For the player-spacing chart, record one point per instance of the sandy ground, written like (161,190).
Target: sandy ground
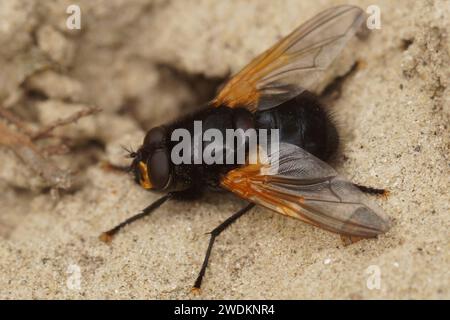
(144,62)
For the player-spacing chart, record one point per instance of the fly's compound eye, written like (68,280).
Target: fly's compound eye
(155,137)
(159,169)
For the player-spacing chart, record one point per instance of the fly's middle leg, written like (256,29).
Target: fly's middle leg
(218,230)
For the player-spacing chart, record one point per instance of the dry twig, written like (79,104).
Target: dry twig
(42,133)
(22,143)
(8,115)
(24,148)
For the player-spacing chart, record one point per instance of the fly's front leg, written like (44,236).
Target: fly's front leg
(107,236)
(108,166)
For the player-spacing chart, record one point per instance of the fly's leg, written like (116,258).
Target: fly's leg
(214,234)
(384,193)
(108,166)
(347,240)
(108,235)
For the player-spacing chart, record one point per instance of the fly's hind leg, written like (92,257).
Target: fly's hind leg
(348,240)
(384,193)
(214,234)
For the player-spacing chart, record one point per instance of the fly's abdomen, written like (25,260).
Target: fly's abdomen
(303,122)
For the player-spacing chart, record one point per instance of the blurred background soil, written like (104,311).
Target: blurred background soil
(145,62)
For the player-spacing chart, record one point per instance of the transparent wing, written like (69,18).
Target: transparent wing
(295,183)
(294,64)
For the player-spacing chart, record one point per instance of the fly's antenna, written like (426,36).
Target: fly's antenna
(108,235)
(130,152)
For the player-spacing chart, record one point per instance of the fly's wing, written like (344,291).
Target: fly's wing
(295,183)
(294,64)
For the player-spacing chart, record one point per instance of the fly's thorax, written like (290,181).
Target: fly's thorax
(194,149)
